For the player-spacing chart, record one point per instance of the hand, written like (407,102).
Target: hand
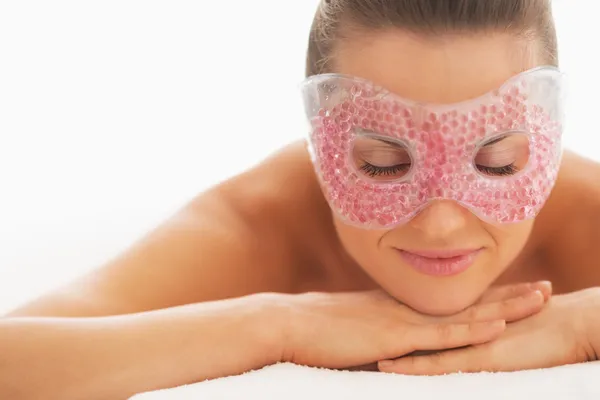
(562,333)
(343,330)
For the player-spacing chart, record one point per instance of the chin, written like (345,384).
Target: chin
(444,302)
(444,307)
(444,296)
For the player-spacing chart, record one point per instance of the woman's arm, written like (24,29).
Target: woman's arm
(230,241)
(118,356)
(127,328)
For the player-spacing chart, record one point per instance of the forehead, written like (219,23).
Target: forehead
(443,69)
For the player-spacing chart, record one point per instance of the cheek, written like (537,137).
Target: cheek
(360,244)
(510,240)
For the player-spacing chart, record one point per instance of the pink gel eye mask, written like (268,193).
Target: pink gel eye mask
(381,159)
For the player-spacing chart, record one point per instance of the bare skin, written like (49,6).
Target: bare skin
(270,230)
(295,221)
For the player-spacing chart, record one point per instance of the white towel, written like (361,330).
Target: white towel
(292,382)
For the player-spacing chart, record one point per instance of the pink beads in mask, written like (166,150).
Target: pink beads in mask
(381,158)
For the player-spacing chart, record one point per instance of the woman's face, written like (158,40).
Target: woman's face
(438,70)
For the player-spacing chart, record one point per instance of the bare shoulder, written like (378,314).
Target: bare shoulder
(578,191)
(276,189)
(572,222)
(240,237)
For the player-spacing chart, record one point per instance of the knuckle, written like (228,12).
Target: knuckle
(474,313)
(510,306)
(506,306)
(445,331)
(420,364)
(431,364)
(520,288)
(512,291)
(524,288)
(473,329)
(436,360)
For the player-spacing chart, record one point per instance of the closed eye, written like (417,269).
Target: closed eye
(504,155)
(381,158)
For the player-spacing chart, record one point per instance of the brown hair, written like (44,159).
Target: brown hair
(335,18)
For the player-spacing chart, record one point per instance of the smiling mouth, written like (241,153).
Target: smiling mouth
(444,262)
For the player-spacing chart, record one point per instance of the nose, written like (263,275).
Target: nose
(440,219)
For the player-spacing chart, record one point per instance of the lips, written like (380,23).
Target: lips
(440,262)
(449,253)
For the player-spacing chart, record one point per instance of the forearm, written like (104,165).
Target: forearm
(116,357)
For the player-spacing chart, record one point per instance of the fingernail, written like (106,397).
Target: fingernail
(386,363)
(534,294)
(547,284)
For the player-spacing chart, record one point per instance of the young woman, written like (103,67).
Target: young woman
(431,209)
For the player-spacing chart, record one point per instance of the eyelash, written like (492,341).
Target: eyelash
(505,170)
(373,170)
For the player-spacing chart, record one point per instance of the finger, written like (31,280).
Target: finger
(509,291)
(441,336)
(510,310)
(471,359)
(545,287)
(373,367)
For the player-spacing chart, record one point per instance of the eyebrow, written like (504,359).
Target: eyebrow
(389,142)
(392,143)
(372,135)
(498,139)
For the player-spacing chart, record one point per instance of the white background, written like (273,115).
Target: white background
(113,114)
